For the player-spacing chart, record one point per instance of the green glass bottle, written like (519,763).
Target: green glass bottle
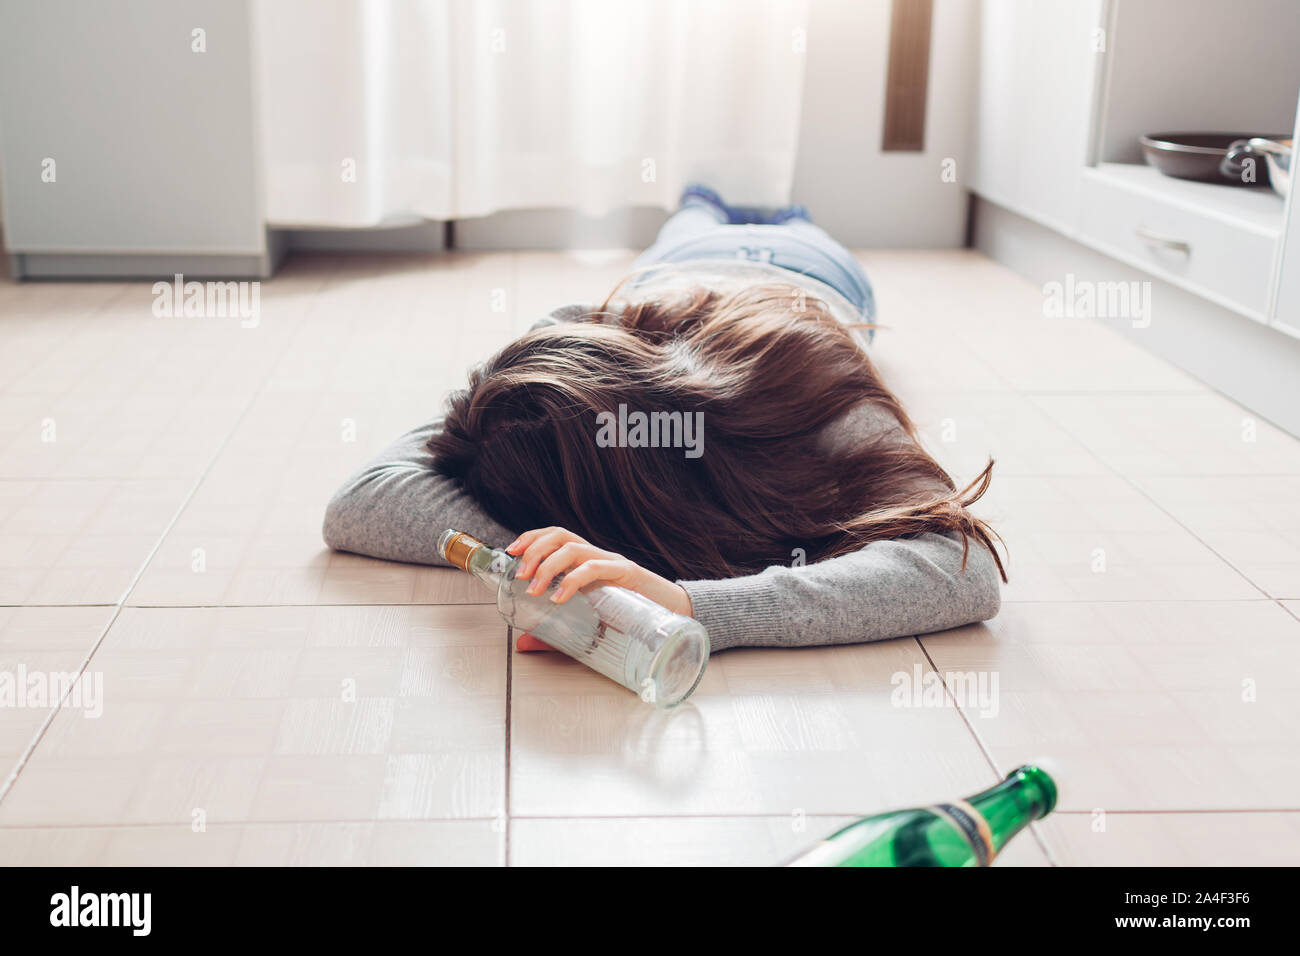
(968,832)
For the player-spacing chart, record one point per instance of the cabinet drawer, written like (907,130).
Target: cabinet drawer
(1215,241)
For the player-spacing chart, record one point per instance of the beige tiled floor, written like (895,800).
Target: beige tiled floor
(268,702)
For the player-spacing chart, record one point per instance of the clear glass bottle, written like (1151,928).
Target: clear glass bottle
(616,632)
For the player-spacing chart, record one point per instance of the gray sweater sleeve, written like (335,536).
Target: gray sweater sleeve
(888,589)
(396,506)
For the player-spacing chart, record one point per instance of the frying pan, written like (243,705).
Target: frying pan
(1198,155)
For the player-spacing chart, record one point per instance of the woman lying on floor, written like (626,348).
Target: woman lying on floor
(713,436)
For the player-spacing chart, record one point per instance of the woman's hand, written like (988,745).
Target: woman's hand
(547,552)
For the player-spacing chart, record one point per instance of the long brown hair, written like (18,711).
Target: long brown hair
(768,371)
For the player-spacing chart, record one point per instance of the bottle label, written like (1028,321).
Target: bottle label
(971,824)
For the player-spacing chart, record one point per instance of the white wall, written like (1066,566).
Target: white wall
(862,196)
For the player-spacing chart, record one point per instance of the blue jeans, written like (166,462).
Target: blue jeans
(696,232)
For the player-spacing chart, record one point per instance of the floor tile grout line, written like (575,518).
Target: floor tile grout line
(774,815)
(527,817)
(7,784)
(1257,599)
(289,338)
(1281,601)
(505,810)
(40,732)
(211,607)
(44,479)
(979,742)
(65,606)
(25,757)
(1159,507)
(947,692)
(1126,392)
(1029,395)
(1260,599)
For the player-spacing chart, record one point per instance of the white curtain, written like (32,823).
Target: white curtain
(380,111)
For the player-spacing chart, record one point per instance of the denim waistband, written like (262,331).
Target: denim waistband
(829,263)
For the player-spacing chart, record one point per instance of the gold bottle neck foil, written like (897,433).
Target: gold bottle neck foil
(459,548)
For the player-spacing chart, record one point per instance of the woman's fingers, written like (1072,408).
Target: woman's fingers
(519,547)
(544,542)
(563,558)
(545,553)
(524,540)
(527,643)
(589,572)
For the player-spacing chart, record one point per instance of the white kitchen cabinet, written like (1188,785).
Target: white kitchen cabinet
(1167,71)
(1066,89)
(1286,301)
(129,139)
(1217,242)
(1039,69)
(1058,130)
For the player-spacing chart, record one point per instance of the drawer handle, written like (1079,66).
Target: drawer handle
(1163,242)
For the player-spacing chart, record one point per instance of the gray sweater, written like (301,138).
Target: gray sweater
(396,506)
